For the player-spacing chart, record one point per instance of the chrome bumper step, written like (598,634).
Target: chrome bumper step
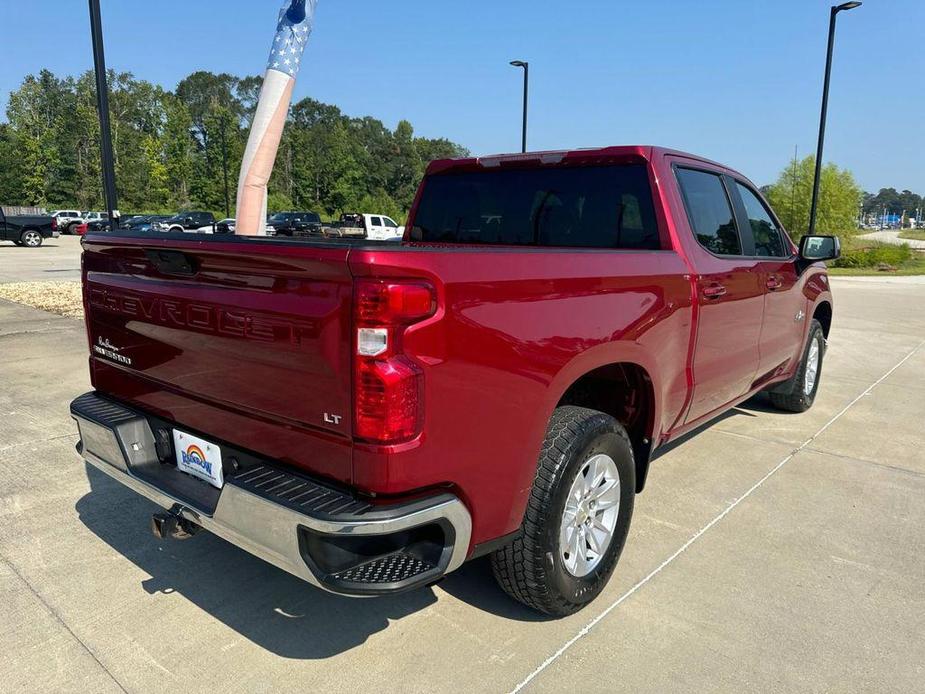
(327,536)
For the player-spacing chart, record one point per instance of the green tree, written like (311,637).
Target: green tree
(201,91)
(839,198)
(168,148)
(38,113)
(179,152)
(88,185)
(11,171)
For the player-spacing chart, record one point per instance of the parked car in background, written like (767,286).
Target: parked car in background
(350,225)
(294,224)
(130,221)
(375,227)
(229,226)
(188,221)
(142,222)
(152,222)
(98,222)
(28,230)
(67,220)
(370,416)
(225,226)
(382,228)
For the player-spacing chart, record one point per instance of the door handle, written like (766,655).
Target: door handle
(714,291)
(773,283)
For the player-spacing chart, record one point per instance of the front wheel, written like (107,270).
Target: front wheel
(31,239)
(799,394)
(577,517)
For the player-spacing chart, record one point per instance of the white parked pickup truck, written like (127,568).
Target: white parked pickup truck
(382,228)
(376,227)
(67,219)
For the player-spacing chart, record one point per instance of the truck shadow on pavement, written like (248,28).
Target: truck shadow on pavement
(264,604)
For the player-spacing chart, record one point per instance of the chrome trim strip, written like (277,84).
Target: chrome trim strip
(270,531)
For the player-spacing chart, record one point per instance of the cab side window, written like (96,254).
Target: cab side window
(710,211)
(769,242)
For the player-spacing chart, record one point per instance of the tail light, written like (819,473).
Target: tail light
(54,224)
(389,385)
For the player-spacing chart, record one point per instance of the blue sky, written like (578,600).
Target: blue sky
(737,81)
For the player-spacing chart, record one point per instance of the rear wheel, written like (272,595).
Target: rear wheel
(70,228)
(31,238)
(799,393)
(577,517)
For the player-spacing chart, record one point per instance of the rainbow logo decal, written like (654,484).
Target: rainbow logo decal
(194,457)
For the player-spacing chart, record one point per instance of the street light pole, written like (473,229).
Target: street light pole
(825,107)
(526,66)
(102,104)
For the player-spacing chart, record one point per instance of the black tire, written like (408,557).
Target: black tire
(532,569)
(69,229)
(793,395)
(31,238)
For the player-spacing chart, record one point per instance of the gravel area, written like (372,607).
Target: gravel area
(61,297)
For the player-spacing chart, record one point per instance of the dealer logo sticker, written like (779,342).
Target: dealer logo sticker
(194,457)
(105,348)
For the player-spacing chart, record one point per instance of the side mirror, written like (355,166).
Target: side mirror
(816,248)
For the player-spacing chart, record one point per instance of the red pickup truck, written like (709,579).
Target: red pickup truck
(368,416)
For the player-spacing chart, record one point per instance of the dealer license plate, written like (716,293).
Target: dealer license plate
(198,457)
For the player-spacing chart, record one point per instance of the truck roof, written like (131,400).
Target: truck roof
(552,157)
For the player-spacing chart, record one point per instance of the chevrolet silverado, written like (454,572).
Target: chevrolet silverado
(368,416)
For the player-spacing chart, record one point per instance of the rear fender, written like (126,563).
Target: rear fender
(607,355)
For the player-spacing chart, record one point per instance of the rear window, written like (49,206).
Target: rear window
(581,207)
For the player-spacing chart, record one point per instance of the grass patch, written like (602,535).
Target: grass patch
(916,266)
(913,234)
(61,297)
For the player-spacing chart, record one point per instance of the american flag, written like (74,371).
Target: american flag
(292,33)
(290,42)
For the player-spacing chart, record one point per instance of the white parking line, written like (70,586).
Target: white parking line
(683,548)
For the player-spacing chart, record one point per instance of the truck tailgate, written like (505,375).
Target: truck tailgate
(245,341)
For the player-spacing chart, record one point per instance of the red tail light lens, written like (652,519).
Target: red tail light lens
(389,385)
(54,224)
(388,400)
(393,303)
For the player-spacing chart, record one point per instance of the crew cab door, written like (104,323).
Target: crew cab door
(375,229)
(776,265)
(730,298)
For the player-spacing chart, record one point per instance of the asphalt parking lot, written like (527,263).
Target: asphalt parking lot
(770,552)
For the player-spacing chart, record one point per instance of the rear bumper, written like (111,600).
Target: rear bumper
(328,537)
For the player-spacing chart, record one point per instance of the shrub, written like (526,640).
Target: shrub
(874,256)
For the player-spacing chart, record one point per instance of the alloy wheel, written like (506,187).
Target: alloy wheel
(812,367)
(590,515)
